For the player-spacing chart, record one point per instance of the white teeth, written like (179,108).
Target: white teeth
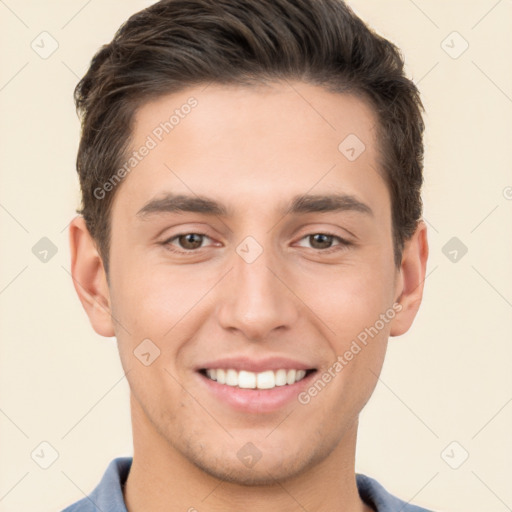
(231,378)
(300,375)
(249,380)
(246,380)
(221,376)
(266,380)
(280,377)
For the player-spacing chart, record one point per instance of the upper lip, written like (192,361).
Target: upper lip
(256,365)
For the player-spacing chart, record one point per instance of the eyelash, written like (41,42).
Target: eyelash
(344,244)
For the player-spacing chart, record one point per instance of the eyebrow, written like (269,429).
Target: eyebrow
(301,204)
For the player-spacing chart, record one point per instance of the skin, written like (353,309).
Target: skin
(252,149)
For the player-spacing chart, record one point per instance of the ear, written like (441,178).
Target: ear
(410,280)
(89,278)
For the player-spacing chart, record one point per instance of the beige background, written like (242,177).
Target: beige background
(449,379)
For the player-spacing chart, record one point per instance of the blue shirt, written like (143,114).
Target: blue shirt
(108,495)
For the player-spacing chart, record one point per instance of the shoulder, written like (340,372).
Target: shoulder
(108,494)
(374,494)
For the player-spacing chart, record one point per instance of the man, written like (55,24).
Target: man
(251,234)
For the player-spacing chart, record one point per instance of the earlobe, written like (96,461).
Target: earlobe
(89,278)
(411,280)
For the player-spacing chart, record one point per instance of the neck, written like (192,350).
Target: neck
(162,479)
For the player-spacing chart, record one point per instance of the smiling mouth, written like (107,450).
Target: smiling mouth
(267,379)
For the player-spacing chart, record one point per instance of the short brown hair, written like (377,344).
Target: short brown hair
(175,44)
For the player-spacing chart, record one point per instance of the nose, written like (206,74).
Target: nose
(257,299)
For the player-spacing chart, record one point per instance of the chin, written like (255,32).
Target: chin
(277,465)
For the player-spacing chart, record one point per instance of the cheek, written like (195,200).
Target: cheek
(356,310)
(150,300)
(351,300)
(158,310)
(358,347)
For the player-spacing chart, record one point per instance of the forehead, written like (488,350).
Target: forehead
(255,144)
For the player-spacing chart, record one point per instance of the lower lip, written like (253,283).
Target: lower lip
(256,400)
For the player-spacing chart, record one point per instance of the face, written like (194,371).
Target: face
(277,256)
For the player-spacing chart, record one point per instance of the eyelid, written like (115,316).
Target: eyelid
(326,229)
(168,241)
(343,242)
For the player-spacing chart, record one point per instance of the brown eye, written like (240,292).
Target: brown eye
(321,241)
(185,242)
(190,241)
